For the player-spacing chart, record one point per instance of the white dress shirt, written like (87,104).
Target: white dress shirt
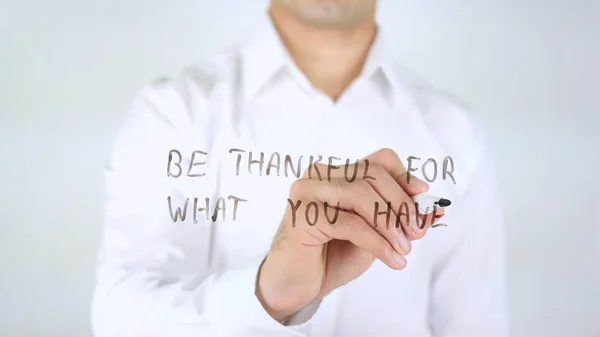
(159,277)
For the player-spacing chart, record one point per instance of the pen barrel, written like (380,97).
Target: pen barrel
(425,202)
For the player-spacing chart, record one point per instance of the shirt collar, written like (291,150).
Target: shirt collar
(263,55)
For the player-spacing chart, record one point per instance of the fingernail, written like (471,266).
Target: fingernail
(404,243)
(399,259)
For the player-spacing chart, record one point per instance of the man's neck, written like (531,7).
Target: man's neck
(330,59)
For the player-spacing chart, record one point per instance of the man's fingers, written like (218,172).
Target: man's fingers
(401,208)
(390,161)
(384,171)
(351,227)
(418,226)
(396,203)
(358,197)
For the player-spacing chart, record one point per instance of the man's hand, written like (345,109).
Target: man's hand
(309,260)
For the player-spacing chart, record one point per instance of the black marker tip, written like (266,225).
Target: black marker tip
(443,202)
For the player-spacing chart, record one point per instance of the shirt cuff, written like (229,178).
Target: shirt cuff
(234,307)
(303,316)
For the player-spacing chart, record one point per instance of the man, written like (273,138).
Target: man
(232,240)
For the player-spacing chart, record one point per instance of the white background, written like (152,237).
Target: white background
(68,70)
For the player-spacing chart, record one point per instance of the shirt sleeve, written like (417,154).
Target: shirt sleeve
(153,278)
(468,294)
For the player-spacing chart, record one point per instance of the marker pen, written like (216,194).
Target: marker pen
(427,202)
